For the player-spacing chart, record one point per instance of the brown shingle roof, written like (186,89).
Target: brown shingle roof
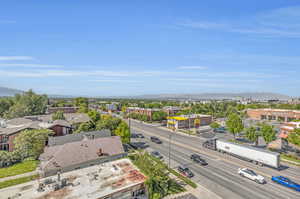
(79,152)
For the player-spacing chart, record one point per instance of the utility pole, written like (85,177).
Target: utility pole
(170,137)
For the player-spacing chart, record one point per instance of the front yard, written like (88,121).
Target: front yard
(19,168)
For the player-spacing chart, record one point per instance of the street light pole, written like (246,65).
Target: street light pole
(169,150)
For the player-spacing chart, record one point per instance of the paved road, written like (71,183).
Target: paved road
(220,175)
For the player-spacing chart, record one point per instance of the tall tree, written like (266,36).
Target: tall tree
(234,124)
(294,137)
(252,134)
(27,103)
(123,131)
(215,125)
(82,103)
(31,143)
(58,115)
(268,133)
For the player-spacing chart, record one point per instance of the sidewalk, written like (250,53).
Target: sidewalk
(19,176)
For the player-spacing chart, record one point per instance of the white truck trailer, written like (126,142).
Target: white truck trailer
(256,155)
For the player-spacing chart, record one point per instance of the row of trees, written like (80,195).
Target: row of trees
(235,125)
(101,122)
(157,116)
(27,103)
(28,145)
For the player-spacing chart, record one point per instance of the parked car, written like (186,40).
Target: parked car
(134,135)
(155,140)
(140,135)
(185,171)
(156,154)
(139,145)
(220,130)
(286,182)
(196,158)
(251,175)
(127,147)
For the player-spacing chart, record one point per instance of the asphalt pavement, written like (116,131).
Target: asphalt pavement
(220,176)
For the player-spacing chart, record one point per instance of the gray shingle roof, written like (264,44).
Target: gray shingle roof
(75,137)
(75,153)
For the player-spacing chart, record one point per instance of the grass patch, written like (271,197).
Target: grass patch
(183,178)
(189,132)
(235,141)
(19,168)
(290,158)
(17,181)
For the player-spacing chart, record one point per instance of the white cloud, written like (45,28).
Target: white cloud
(31,65)
(192,67)
(15,58)
(282,22)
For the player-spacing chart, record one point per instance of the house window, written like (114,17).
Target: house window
(4,147)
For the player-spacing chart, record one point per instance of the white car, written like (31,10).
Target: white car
(251,175)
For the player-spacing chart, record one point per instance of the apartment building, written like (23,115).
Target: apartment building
(274,114)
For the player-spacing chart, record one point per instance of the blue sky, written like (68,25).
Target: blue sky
(132,47)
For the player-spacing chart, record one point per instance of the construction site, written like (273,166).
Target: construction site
(117,179)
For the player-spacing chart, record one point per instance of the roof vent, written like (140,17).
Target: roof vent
(3,123)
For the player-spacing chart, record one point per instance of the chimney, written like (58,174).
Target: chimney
(99,152)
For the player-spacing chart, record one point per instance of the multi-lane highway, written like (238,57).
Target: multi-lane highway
(220,176)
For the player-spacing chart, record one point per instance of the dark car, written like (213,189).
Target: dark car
(156,140)
(156,154)
(220,130)
(185,171)
(134,135)
(196,158)
(139,145)
(286,182)
(127,147)
(140,135)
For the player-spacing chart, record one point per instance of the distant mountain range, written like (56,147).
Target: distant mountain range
(201,96)
(217,96)
(8,91)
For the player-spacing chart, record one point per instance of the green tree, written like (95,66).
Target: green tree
(252,134)
(294,137)
(159,116)
(58,115)
(123,131)
(5,104)
(31,143)
(215,125)
(82,103)
(234,124)
(27,103)
(85,127)
(94,115)
(268,133)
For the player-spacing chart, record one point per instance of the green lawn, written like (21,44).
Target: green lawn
(19,168)
(290,158)
(17,181)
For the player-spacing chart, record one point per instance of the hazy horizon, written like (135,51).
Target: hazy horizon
(122,48)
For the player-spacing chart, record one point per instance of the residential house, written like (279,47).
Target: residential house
(75,137)
(11,128)
(80,154)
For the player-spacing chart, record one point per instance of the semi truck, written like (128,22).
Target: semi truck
(255,155)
